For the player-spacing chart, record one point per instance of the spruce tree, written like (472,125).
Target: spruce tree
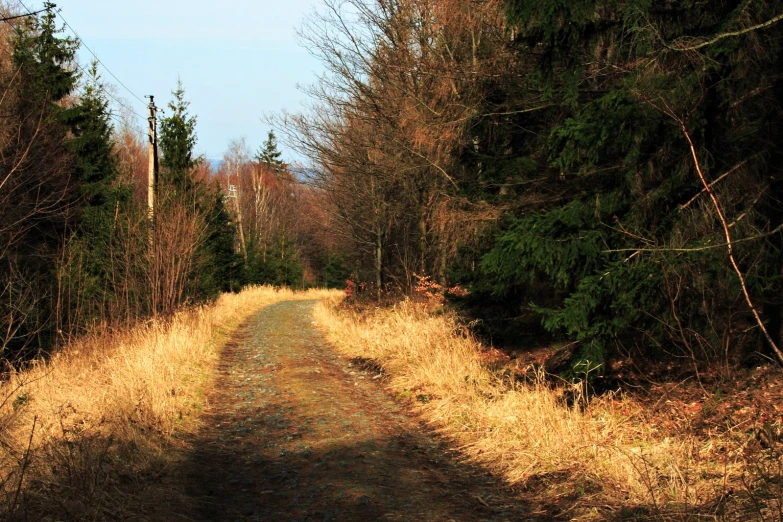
(177,141)
(222,269)
(92,144)
(45,59)
(269,155)
(100,199)
(218,267)
(38,179)
(609,241)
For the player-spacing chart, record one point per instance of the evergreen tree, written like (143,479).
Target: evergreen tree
(218,268)
(269,155)
(38,189)
(45,60)
(278,264)
(333,271)
(92,144)
(606,240)
(177,141)
(222,269)
(101,200)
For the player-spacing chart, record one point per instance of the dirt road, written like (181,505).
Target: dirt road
(295,432)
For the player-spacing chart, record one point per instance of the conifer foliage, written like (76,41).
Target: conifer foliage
(77,249)
(539,153)
(269,156)
(268,203)
(37,190)
(631,248)
(101,200)
(192,213)
(177,141)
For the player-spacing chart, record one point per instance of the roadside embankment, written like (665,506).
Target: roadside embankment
(611,458)
(91,433)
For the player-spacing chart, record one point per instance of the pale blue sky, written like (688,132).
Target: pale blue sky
(238,59)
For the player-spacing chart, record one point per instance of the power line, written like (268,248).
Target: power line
(88,74)
(25,15)
(81,41)
(81,92)
(116,100)
(79,38)
(123,123)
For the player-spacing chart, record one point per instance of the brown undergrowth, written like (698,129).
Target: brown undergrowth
(617,458)
(94,432)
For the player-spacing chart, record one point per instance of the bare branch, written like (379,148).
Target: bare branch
(679,45)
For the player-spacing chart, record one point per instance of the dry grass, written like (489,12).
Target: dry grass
(92,433)
(608,458)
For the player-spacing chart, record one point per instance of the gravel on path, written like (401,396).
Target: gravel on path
(296,432)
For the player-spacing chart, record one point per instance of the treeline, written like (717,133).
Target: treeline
(279,220)
(78,249)
(76,235)
(607,173)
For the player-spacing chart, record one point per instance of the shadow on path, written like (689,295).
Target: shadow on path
(296,433)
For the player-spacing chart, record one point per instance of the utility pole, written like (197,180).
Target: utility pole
(152,184)
(152,173)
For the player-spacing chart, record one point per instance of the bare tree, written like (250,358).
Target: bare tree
(389,121)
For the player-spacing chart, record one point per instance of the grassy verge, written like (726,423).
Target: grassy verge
(94,432)
(610,460)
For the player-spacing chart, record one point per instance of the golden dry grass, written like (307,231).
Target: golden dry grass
(89,433)
(606,455)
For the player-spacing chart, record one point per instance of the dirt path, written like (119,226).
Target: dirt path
(296,432)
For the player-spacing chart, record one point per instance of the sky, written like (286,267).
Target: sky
(237,59)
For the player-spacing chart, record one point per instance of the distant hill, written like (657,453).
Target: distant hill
(214,163)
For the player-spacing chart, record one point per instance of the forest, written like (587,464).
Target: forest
(553,228)
(80,250)
(602,173)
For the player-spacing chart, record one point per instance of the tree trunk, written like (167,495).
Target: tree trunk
(423,243)
(379,263)
(238,206)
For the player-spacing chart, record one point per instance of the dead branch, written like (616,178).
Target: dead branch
(729,243)
(682,47)
(722,176)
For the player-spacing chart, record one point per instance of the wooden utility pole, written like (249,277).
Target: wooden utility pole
(152,185)
(152,173)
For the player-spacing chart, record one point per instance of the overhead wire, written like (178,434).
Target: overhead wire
(81,41)
(24,15)
(109,94)
(116,100)
(116,117)
(79,38)
(79,89)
